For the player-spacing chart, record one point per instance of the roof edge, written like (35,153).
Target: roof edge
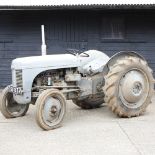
(83,6)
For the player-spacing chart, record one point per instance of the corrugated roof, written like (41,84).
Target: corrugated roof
(43,4)
(73,2)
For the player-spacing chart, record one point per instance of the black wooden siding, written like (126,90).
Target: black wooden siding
(20,34)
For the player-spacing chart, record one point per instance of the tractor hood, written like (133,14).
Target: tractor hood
(53,61)
(89,59)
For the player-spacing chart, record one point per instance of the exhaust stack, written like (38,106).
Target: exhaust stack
(43,46)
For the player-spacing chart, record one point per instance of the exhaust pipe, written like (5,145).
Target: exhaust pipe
(43,46)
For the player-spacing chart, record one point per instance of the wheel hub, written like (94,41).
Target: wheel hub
(137,88)
(133,86)
(52,109)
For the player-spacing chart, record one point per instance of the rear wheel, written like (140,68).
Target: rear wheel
(51,108)
(93,101)
(9,107)
(129,87)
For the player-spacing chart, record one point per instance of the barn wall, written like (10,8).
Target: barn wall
(20,34)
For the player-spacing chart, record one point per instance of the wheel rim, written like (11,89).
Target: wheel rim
(133,88)
(13,107)
(52,111)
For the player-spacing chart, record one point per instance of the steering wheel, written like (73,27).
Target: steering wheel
(72,51)
(75,51)
(85,54)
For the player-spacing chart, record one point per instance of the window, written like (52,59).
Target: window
(112,28)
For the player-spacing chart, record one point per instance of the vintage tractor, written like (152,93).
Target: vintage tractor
(124,82)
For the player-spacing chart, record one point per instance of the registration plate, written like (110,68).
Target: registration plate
(15,90)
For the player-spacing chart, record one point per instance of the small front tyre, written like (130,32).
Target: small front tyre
(9,107)
(51,108)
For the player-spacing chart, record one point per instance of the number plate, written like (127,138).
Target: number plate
(15,90)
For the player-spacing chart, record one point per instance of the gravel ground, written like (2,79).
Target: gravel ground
(91,132)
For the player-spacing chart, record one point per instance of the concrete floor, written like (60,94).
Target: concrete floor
(84,132)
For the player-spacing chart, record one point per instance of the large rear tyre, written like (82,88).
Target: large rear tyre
(9,107)
(91,102)
(51,108)
(128,87)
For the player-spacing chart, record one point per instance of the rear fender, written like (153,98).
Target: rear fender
(117,56)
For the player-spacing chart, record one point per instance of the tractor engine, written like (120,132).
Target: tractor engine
(61,78)
(49,78)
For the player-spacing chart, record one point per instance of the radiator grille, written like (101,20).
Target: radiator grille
(19,81)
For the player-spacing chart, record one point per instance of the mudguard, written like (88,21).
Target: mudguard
(117,56)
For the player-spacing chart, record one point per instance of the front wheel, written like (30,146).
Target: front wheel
(51,108)
(9,107)
(129,87)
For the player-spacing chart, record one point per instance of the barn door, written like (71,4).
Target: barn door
(67,31)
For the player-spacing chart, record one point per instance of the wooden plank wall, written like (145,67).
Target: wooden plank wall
(79,29)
